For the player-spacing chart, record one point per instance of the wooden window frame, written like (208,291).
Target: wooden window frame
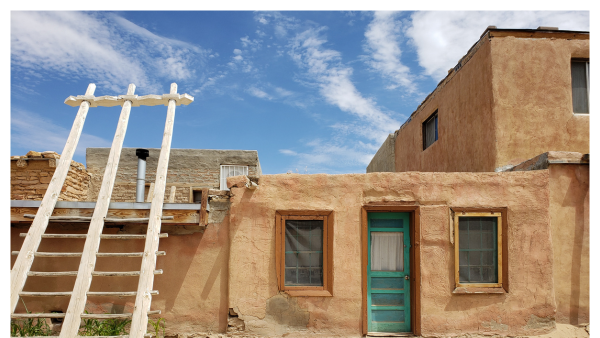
(305,291)
(424,129)
(502,229)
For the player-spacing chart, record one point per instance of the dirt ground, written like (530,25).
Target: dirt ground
(562,331)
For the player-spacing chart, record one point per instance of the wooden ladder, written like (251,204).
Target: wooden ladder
(22,267)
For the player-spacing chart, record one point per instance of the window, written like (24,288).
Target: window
(231,170)
(304,252)
(580,84)
(480,248)
(430,130)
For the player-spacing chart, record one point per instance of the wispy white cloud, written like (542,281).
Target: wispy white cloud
(259,93)
(442,38)
(35,132)
(383,46)
(334,81)
(331,157)
(108,49)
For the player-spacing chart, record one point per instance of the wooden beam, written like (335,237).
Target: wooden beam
(170,216)
(139,321)
(18,274)
(203,205)
(80,218)
(172,194)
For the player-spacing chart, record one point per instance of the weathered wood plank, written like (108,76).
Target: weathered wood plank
(169,216)
(203,205)
(139,321)
(81,218)
(172,194)
(18,274)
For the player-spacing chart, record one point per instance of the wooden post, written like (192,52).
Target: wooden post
(139,321)
(18,274)
(76,307)
(172,194)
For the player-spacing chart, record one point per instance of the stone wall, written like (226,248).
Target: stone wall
(31,174)
(188,168)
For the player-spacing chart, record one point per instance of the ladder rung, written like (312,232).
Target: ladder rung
(24,234)
(99,254)
(45,294)
(86,218)
(121,274)
(37,315)
(114,315)
(51,274)
(94,273)
(84,315)
(126,254)
(117,294)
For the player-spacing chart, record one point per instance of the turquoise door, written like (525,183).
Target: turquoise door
(388,272)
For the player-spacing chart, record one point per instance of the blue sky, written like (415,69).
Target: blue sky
(312,92)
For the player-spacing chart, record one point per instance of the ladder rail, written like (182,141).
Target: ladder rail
(18,274)
(139,321)
(87,264)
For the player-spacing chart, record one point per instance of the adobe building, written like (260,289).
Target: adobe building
(435,254)
(517,101)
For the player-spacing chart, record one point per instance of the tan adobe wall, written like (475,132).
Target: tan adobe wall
(30,176)
(533,108)
(569,216)
(527,309)
(384,160)
(465,123)
(196,168)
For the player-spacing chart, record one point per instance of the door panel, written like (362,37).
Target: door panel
(388,288)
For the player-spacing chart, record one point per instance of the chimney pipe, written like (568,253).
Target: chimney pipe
(142,154)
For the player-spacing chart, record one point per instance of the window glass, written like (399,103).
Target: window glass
(478,249)
(304,253)
(430,131)
(579,82)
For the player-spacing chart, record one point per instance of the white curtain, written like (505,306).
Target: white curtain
(387,251)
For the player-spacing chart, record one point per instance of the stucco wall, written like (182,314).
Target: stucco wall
(528,308)
(384,160)
(465,123)
(569,214)
(187,168)
(192,289)
(533,108)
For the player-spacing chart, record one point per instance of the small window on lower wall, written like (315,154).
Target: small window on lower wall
(304,252)
(479,249)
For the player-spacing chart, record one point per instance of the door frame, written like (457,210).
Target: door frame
(415,259)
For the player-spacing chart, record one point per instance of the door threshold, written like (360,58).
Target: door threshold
(390,334)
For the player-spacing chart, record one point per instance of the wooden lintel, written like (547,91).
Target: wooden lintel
(170,216)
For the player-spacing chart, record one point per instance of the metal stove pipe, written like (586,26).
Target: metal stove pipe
(142,154)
